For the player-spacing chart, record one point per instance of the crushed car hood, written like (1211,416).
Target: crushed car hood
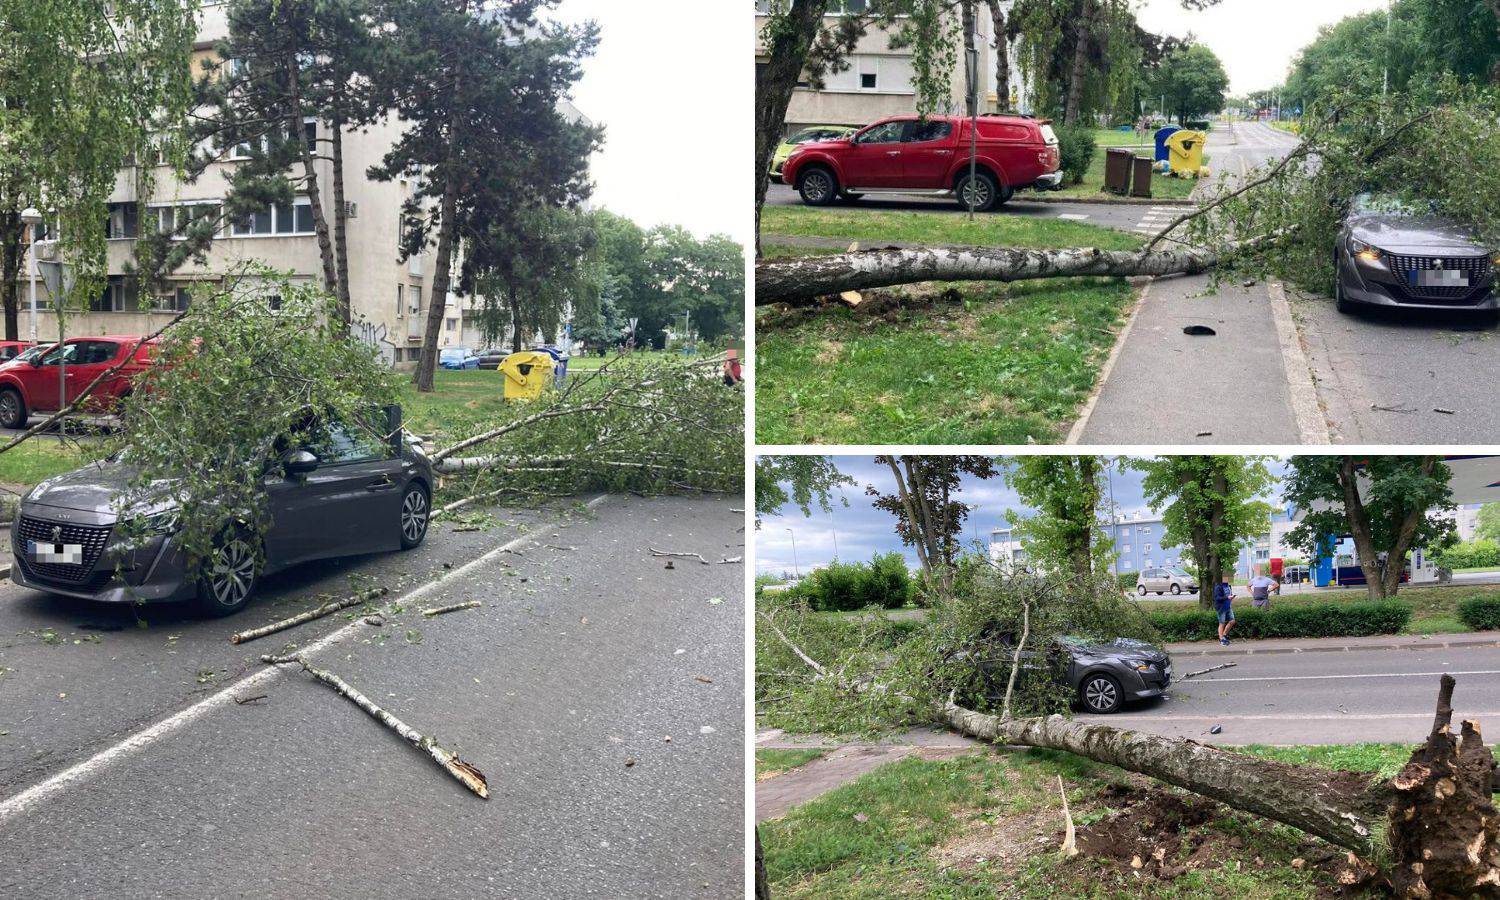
(1116,647)
(97,488)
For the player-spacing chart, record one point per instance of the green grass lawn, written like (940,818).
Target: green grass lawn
(1007,364)
(40,458)
(769,762)
(1434,608)
(456,392)
(871,227)
(986,825)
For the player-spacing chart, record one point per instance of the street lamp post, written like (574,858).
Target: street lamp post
(31,217)
(796,568)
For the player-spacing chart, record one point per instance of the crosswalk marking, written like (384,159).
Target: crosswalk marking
(1075,216)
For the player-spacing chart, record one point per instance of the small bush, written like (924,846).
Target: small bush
(1075,146)
(884,581)
(1310,620)
(1128,580)
(1480,613)
(1470,555)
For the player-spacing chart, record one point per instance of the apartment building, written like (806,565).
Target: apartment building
(879,80)
(389,298)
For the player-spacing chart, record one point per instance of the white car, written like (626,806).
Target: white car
(1163,579)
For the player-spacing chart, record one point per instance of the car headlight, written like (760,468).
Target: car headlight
(165,522)
(1366,252)
(1140,665)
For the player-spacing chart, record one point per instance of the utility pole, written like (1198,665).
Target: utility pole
(31,218)
(795,567)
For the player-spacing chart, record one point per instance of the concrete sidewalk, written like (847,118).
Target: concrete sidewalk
(1336,644)
(1165,387)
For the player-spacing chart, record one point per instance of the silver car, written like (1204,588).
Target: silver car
(335,491)
(1164,579)
(1392,255)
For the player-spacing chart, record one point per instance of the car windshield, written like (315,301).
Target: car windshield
(1390,205)
(31,353)
(1180,572)
(454,353)
(808,135)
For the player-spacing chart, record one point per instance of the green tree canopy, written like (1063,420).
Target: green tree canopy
(1066,533)
(1193,81)
(1388,504)
(1209,504)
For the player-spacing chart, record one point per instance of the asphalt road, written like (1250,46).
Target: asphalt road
(1320,697)
(126,769)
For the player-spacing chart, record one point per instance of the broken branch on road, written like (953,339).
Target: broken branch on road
(293,621)
(466,774)
(455,607)
(1209,669)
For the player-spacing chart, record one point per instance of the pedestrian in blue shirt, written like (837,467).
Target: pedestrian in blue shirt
(1224,606)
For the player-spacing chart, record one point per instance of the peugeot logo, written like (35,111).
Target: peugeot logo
(57,534)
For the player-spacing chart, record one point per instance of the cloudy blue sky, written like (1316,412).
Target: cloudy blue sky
(860,530)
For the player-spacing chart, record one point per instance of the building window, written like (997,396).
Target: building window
(452,323)
(1124,548)
(115,297)
(278,219)
(1127,565)
(867,80)
(173,299)
(175,219)
(1146,548)
(400,300)
(414,299)
(123,221)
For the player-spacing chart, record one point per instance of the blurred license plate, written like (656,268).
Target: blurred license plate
(1169,670)
(57,553)
(1438,278)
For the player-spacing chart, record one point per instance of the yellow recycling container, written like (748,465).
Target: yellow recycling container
(527,374)
(1185,153)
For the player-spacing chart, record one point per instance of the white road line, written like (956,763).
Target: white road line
(1361,675)
(1076,216)
(142,739)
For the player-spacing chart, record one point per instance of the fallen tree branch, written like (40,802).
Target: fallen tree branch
(697,556)
(251,634)
(455,607)
(1209,669)
(469,776)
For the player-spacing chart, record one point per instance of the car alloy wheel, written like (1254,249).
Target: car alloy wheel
(1176,588)
(10,409)
(414,516)
(231,575)
(817,186)
(1142,589)
(1100,694)
(976,192)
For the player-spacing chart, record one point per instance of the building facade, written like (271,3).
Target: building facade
(879,80)
(390,298)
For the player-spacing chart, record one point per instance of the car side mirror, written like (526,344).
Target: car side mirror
(298,462)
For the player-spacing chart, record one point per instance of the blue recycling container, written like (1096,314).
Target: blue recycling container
(560,370)
(1162,134)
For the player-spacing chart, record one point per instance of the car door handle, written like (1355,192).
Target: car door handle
(382,483)
(893,153)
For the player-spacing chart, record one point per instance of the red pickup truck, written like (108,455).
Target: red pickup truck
(908,154)
(30,383)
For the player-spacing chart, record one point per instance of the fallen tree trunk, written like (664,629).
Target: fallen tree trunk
(1433,828)
(801,280)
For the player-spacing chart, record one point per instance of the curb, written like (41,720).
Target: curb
(1306,410)
(1075,434)
(1109,201)
(1343,648)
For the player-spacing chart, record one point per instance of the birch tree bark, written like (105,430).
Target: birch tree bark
(802,280)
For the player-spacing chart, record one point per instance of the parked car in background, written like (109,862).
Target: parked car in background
(806,136)
(1295,574)
(1162,579)
(458,358)
(1393,254)
(492,357)
(30,383)
(907,154)
(1101,676)
(334,491)
(9,350)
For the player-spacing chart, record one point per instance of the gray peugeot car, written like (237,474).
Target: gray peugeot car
(1102,676)
(334,490)
(1393,255)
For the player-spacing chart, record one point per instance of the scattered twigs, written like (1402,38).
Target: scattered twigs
(471,777)
(1209,669)
(454,607)
(243,700)
(697,556)
(293,621)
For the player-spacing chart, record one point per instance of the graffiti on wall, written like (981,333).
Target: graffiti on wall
(375,336)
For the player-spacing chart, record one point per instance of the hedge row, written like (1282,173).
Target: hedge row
(839,586)
(1287,621)
(1480,613)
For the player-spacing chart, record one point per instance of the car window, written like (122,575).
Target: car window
(930,130)
(68,353)
(884,133)
(334,442)
(96,352)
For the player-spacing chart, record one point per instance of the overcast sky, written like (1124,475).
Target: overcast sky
(860,530)
(672,82)
(1256,39)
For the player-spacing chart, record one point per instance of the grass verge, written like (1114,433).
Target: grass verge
(771,762)
(1006,364)
(883,226)
(989,824)
(40,458)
